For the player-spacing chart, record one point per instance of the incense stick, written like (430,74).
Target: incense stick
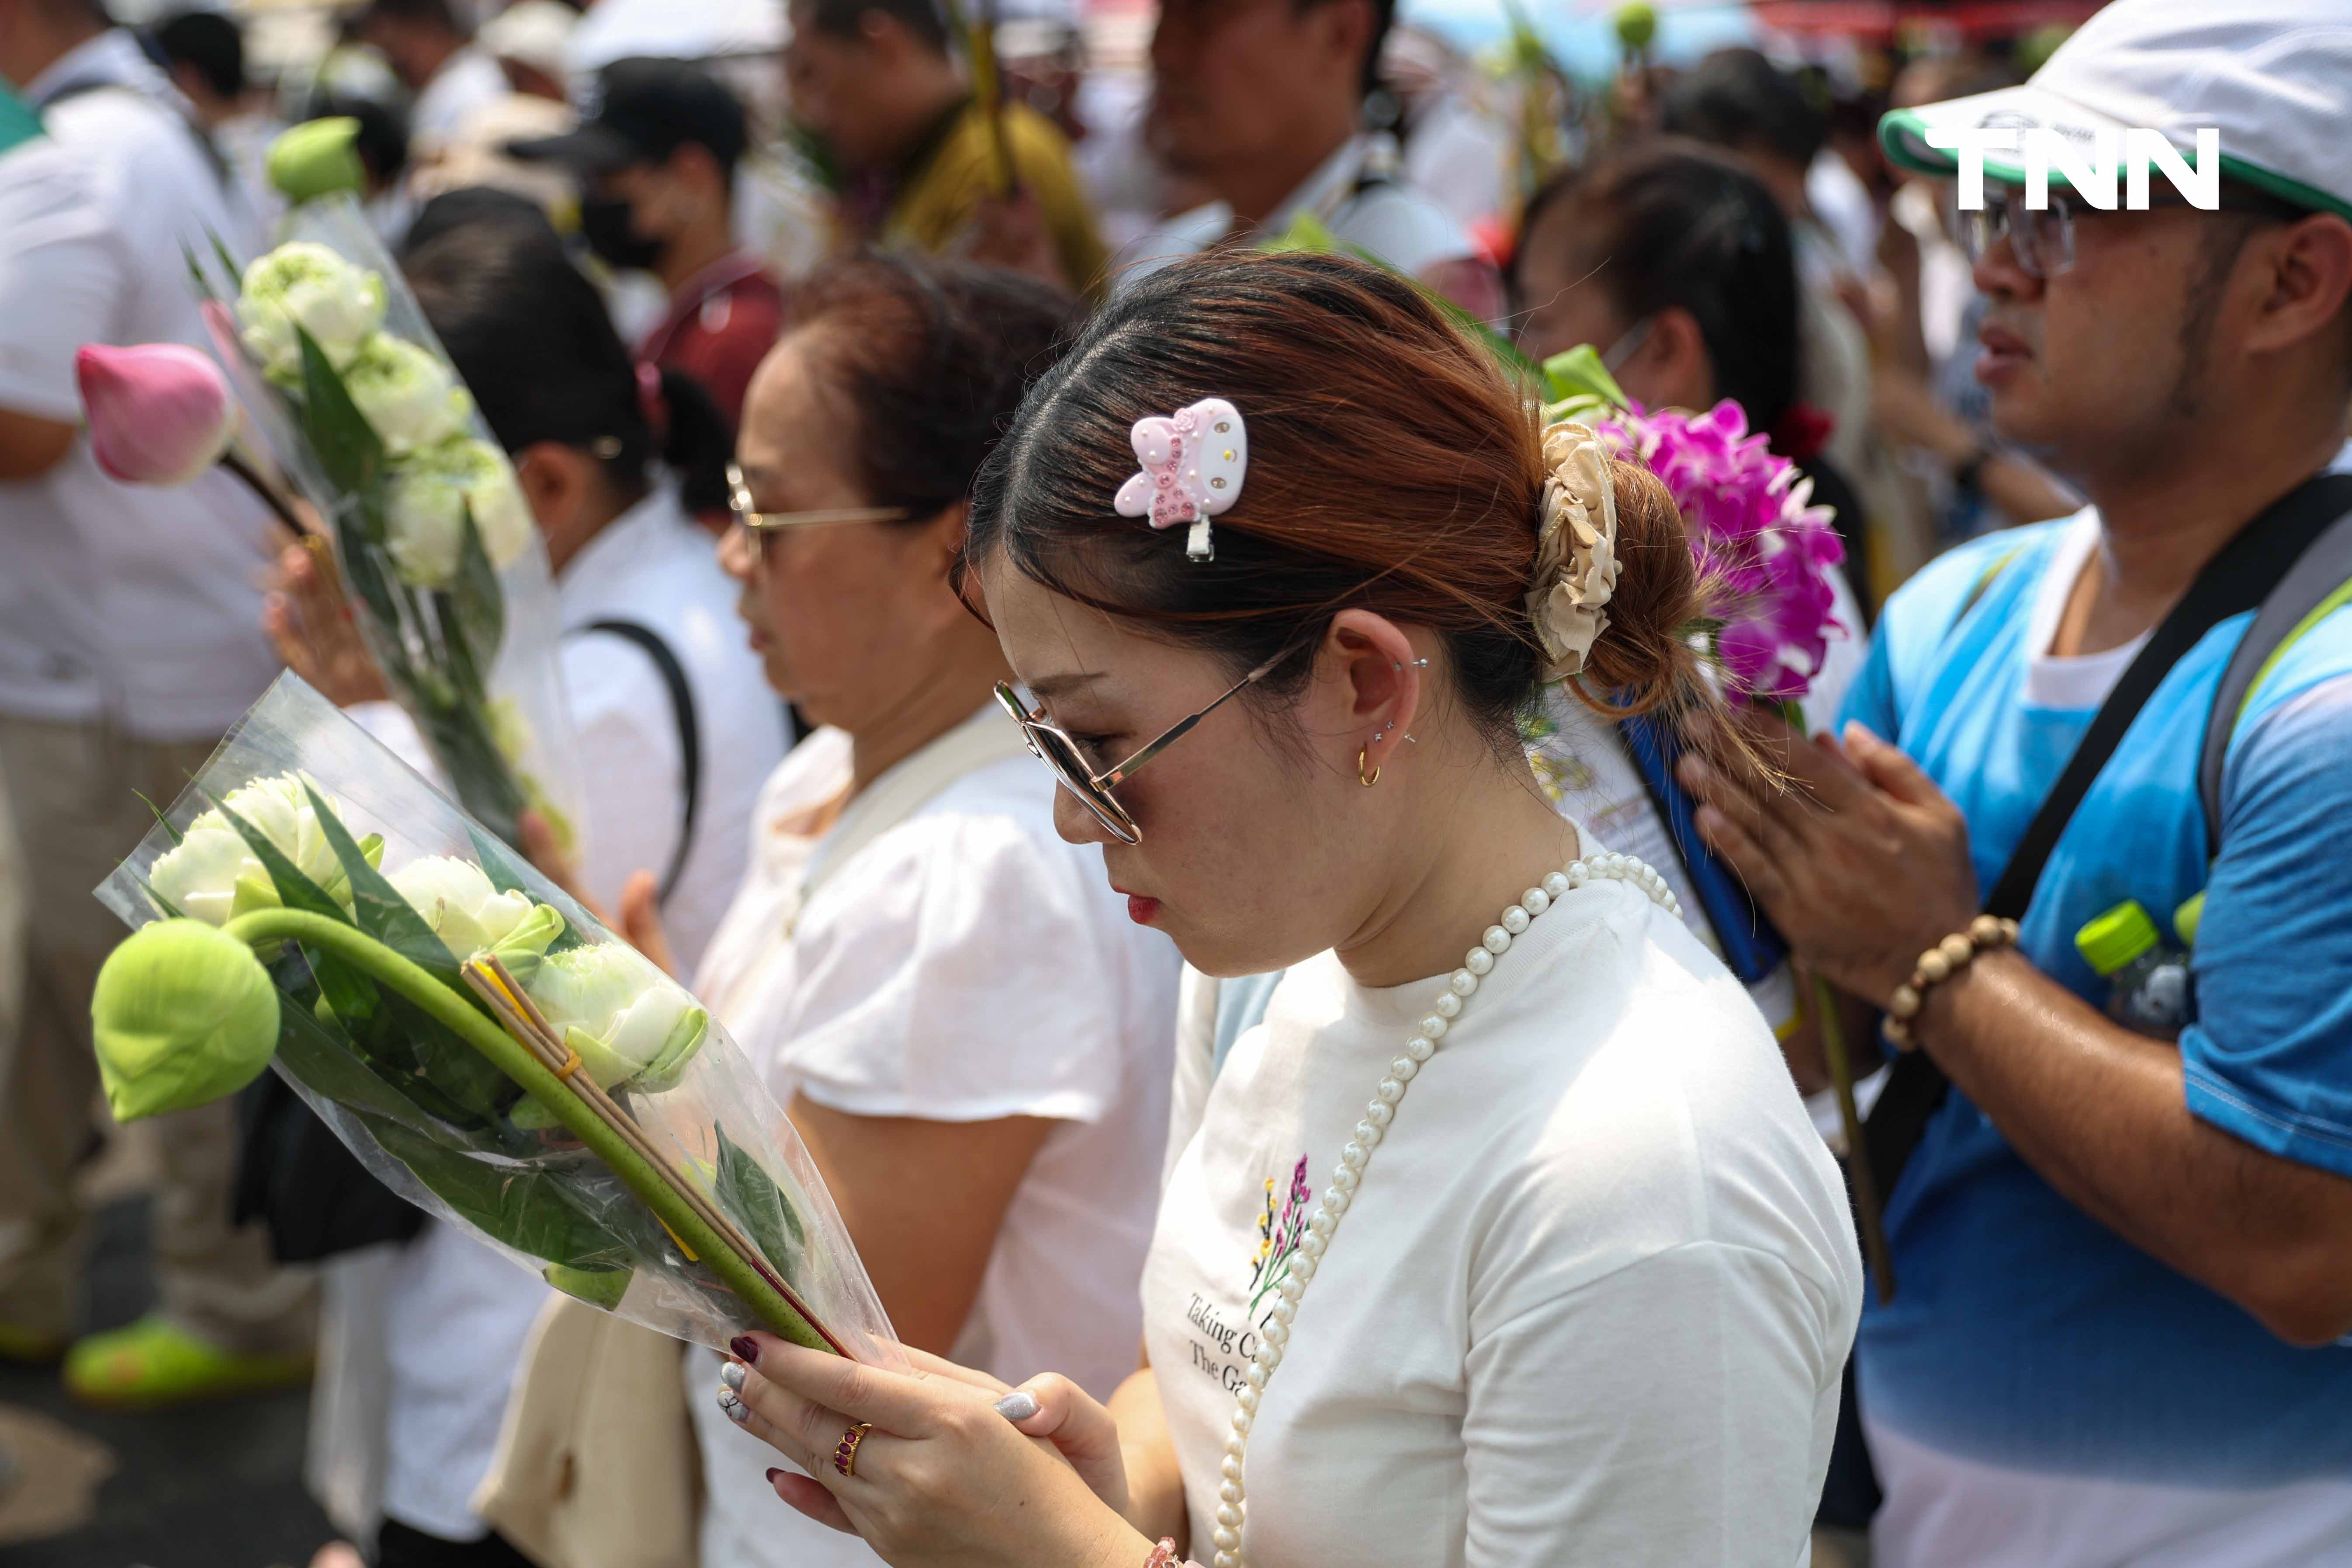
(520,1015)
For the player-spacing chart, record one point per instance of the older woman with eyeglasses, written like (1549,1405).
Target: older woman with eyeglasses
(965,1027)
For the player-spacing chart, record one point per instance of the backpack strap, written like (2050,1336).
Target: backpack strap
(690,732)
(2241,576)
(2319,584)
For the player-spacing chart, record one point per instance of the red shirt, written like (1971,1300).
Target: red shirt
(720,327)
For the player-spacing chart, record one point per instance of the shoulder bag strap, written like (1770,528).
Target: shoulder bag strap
(690,732)
(2320,584)
(2238,578)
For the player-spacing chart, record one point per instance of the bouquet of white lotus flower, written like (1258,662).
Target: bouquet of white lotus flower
(485,1047)
(446,571)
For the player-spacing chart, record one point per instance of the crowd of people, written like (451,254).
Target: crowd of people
(826,373)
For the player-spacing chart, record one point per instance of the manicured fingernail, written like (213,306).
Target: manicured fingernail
(1018,1405)
(773,1475)
(746,1349)
(731,1374)
(733,1407)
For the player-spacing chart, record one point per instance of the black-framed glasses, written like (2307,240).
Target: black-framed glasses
(2043,241)
(764,525)
(1053,746)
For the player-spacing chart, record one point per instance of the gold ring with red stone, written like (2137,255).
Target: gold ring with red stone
(844,1453)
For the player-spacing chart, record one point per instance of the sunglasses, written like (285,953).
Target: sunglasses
(1053,746)
(765,525)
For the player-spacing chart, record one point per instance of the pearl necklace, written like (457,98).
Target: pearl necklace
(1477,965)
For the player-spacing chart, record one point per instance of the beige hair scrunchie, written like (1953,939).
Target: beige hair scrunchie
(1576,549)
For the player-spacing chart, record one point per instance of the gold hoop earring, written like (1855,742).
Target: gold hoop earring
(1367,780)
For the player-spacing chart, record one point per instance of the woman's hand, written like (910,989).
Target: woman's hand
(942,1477)
(308,621)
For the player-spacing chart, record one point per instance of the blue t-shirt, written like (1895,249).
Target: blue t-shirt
(2024,1333)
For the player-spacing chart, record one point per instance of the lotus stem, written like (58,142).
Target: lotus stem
(1868,1216)
(510,1056)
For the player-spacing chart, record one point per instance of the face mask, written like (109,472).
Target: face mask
(604,224)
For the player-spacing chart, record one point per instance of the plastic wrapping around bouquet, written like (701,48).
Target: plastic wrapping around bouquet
(446,574)
(686,1202)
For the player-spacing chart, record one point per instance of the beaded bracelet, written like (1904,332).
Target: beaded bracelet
(1941,962)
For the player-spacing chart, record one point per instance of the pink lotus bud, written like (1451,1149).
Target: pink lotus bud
(159,413)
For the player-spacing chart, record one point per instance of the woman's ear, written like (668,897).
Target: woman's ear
(560,485)
(1376,671)
(1679,368)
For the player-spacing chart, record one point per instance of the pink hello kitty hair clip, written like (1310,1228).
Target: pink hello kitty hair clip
(1192,465)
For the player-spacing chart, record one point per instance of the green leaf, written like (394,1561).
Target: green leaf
(159,817)
(347,447)
(753,1200)
(526,1209)
(1578,373)
(479,605)
(377,907)
(162,905)
(203,285)
(331,1069)
(362,559)
(229,264)
(295,890)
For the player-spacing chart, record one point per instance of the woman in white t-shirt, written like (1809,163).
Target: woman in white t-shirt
(969,1036)
(1502,1237)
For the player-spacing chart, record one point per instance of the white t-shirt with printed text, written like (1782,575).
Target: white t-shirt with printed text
(1590,1305)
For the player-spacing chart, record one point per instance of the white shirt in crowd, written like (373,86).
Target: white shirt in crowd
(467,80)
(965,966)
(657,567)
(137,606)
(457,1313)
(1381,214)
(1590,1305)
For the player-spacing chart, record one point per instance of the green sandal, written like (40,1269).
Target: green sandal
(153,1362)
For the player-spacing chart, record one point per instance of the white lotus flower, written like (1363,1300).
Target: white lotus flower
(213,875)
(408,395)
(425,508)
(307,285)
(632,1026)
(472,916)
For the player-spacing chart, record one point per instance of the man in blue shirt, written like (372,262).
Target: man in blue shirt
(2123,1265)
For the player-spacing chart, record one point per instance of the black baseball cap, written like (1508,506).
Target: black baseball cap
(641,111)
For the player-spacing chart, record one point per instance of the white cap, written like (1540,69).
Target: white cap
(531,33)
(2273,77)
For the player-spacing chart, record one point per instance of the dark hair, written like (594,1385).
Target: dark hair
(1739,99)
(929,358)
(531,335)
(1391,466)
(924,19)
(438,13)
(1667,223)
(209,42)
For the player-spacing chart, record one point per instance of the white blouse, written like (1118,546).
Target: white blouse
(965,966)
(1590,1303)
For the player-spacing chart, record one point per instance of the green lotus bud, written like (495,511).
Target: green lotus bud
(318,158)
(184,1014)
(1637,25)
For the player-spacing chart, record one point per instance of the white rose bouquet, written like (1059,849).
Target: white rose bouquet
(447,576)
(484,1046)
